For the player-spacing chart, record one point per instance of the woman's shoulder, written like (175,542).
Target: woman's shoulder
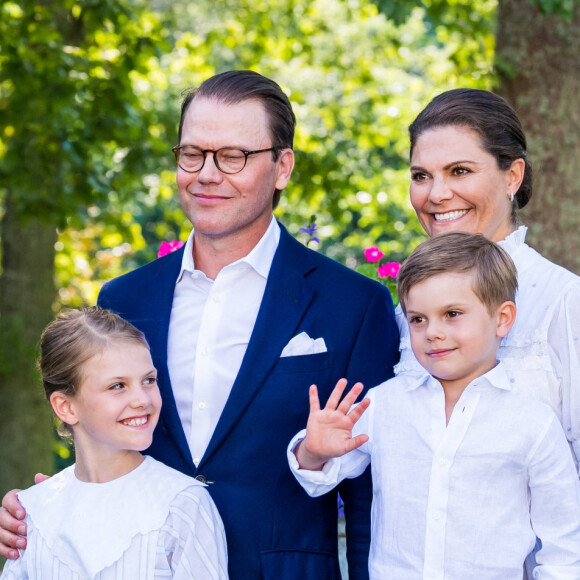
(535,267)
(543,285)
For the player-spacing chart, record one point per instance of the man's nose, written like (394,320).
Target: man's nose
(209,173)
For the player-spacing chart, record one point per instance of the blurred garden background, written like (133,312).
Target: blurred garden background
(90,92)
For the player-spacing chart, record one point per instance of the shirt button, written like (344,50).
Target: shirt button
(442,461)
(196,460)
(216,299)
(205,351)
(437,516)
(201,405)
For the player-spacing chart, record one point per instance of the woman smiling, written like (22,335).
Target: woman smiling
(469,172)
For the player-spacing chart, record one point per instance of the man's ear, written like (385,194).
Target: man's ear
(506,316)
(284,167)
(62,407)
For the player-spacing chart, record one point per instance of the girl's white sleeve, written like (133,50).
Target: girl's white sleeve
(194,537)
(15,569)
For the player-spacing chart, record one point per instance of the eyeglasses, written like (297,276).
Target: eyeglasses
(227,159)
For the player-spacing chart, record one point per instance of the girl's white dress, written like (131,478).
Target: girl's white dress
(150,524)
(543,347)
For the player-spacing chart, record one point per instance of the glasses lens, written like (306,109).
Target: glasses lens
(190,158)
(231,160)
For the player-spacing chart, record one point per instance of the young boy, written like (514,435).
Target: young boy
(468,470)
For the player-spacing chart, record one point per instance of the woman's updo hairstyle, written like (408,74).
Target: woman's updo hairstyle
(492,118)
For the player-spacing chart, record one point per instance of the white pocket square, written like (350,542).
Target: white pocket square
(302,344)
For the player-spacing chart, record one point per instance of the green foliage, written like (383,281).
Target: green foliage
(72,128)
(370,270)
(356,76)
(356,79)
(90,96)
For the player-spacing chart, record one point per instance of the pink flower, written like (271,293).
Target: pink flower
(389,269)
(373,254)
(168,247)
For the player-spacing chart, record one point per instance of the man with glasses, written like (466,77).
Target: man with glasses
(241,322)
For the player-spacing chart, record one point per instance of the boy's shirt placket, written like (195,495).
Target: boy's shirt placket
(443,458)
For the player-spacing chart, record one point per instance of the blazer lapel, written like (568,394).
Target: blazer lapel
(156,328)
(286,298)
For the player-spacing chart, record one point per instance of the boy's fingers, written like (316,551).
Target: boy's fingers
(350,398)
(356,413)
(313,397)
(356,442)
(336,394)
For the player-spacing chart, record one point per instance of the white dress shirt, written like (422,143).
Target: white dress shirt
(542,350)
(467,500)
(209,331)
(150,524)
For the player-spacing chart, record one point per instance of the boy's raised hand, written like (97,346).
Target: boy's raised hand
(329,430)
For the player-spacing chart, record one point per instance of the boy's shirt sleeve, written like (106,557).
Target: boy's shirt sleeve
(353,464)
(555,506)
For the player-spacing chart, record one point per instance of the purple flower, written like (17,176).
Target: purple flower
(311,231)
(340,506)
(168,247)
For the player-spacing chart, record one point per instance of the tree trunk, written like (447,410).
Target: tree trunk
(26,296)
(538,58)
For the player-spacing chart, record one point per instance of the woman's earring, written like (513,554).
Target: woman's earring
(511,195)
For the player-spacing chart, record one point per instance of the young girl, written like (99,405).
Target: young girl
(115,513)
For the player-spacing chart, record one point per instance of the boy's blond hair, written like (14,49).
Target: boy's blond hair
(494,273)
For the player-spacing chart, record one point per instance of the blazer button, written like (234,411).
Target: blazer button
(201,478)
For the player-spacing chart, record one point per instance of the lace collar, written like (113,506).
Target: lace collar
(514,241)
(88,526)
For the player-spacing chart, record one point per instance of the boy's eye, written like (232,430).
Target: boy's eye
(453,313)
(416,319)
(150,381)
(116,387)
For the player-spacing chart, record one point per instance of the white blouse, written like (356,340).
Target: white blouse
(150,524)
(542,350)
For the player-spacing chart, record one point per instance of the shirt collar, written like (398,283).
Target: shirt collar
(496,377)
(260,257)
(514,241)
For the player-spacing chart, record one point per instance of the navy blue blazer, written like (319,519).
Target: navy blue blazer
(274,530)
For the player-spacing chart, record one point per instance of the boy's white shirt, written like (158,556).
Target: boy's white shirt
(542,350)
(464,500)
